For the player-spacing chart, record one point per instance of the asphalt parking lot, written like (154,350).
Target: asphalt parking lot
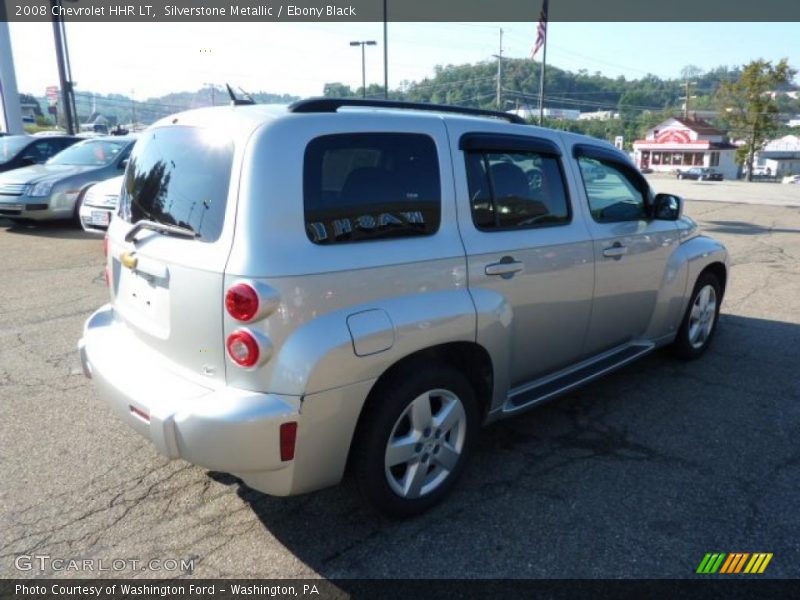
(637,475)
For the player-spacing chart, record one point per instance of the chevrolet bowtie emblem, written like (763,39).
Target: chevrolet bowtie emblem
(128,260)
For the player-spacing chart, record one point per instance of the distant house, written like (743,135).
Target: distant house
(678,144)
(29,111)
(779,157)
(598,115)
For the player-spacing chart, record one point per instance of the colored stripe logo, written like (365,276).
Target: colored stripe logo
(734,563)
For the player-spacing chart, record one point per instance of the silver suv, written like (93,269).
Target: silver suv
(361,284)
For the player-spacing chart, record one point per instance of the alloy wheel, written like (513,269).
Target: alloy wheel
(426,443)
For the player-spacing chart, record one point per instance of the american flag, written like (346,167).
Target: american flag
(541,30)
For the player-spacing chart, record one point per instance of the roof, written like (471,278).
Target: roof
(700,126)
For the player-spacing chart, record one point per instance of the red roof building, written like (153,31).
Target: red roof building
(678,144)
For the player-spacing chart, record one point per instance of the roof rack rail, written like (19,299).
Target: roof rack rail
(328,105)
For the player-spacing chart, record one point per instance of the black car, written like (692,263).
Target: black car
(18,151)
(700,174)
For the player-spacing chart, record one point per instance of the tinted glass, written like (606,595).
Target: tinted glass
(516,190)
(41,151)
(179,176)
(95,153)
(612,195)
(10,146)
(371,186)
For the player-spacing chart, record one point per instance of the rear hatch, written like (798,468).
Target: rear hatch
(168,248)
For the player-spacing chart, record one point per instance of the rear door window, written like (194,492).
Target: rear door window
(179,176)
(370,186)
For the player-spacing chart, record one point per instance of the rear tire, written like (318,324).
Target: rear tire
(700,321)
(414,437)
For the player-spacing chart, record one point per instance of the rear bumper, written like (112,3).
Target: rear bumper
(223,429)
(220,428)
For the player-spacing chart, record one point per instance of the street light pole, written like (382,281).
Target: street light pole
(385,52)
(364,63)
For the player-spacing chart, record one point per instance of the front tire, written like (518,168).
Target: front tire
(76,214)
(700,321)
(414,439)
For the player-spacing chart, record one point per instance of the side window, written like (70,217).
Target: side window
(43,150)
(370,186)
(613,195)
(516,190)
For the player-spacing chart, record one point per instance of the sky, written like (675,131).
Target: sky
(148,60)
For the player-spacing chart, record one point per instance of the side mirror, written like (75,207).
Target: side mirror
(667,207)
(123,163)
(29,160)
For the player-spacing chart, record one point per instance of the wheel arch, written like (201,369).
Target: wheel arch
(470,358)
(719,270)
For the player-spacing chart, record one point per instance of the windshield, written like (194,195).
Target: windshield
(10,146)
(179,176)
(92,153)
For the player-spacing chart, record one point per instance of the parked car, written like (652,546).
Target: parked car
(700,174)
(295,290)
(17,151)
(49,191)
(97,203)
(791,179)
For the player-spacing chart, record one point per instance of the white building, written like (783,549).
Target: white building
(598,115)
(529,113)
(679,144)
(779,157)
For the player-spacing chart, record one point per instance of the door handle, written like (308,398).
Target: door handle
(615,251)
(505,268)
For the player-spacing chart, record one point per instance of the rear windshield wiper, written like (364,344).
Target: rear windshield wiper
(161,228)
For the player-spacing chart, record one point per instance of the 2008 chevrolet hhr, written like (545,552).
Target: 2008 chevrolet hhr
(341,283)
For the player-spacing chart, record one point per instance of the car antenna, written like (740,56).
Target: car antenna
(247,96)
(238,101)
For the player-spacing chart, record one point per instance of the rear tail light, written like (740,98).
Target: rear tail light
(105,246)
(241,301)
(288,440)
(243,348)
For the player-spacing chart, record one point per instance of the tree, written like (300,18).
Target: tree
(337,90)
(750,109)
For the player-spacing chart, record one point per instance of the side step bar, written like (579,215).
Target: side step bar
(548,387)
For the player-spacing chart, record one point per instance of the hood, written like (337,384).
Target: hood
(39,173)
(109,186)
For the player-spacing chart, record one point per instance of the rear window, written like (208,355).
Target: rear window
(371,186)
(179,176)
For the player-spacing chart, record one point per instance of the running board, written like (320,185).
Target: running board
(548,387)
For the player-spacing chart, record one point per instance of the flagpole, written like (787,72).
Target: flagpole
(541,83)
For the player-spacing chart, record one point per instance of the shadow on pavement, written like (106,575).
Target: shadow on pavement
(63,229)
(744,228)
(635,475)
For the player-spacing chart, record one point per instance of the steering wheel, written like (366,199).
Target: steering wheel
(534,177)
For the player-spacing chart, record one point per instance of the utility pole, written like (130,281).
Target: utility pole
(499,57)
(213,90)
(686,104)
(61,56)
(385,52)
(10,109)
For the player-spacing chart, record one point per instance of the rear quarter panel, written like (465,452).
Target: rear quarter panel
(419,282)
